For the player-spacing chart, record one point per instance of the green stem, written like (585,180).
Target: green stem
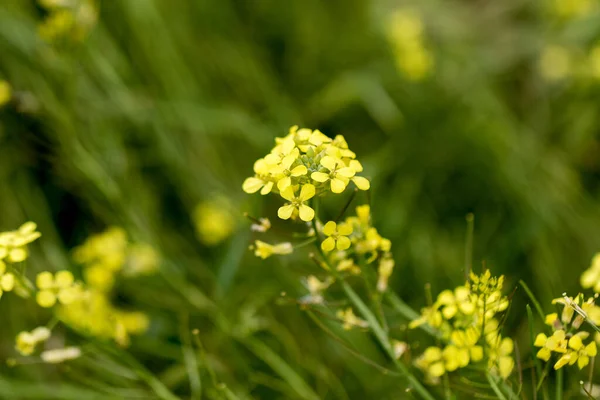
(559,384)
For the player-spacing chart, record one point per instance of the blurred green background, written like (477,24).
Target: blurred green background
(166,104)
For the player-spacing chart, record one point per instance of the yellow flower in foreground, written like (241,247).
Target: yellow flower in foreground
(557,343)
(26,341)
(7,279)
(13,243)
(577,352)
(337,236)
(338,174)
(296,203)
(5,92)
(266,250)
(61,287)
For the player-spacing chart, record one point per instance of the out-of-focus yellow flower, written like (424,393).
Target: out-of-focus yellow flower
(406,36)
(142,260)
(67,20)
(316,288)
(7,279)
(214,221)
(57,356)
(350,320)
(108,249)
(572,8)
(296,205)
(27,341)
(5,92)
(337,236)
(13,244)
(61,287)
(555,63)
(266,250)
(386,267)
(261,225)
(591,276)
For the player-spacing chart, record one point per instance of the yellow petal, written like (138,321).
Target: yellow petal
(582,361)
(44,280)
(7,282)
(328,244)
(306,213)
(64,279)
(288,194)
(356,165)
(45,298)
(267,188)
(329,162)
(543,354)
(343,243)
(284,183)
(17,255)
(575,343)
(505,365)
(307,192)
(319,176)
(330,228)
(345,229)
(252,185)
(345,172)
(285,212)
(361,183)
(337,185)
(437,370)
(591,349)
(589,278)
(299,170)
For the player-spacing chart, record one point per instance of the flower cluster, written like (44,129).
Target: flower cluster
(13,244)
(568,338)
(466,322)
(302,165)
(406,36)
(69,20)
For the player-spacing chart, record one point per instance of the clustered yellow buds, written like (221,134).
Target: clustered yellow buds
(27,341)
(567,338)
(302,165)
(13,244)
(60,287)
(466,321)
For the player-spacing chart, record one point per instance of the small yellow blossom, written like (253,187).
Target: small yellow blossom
(5,93)
(7,279)
(591,277)
(316,288)
(262,181)
(386,267)
(57,356)
(61,287)
(27,341)
(337,236)
(13,244)
(577,352)
(350,320)
(557,343)
(266,250)
(338,174)
(214,221)
(296,203)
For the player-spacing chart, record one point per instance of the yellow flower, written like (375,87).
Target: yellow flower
(13,243)
(7,279)
(551,319)
(296,203)
(338,174)
(61,287)
(337,236)
(108,248)
(386,267)
(284,171)
(214,221)
(27,341)
(350,320)
(316,288)
(450,303)
(500,356)
(406,36)
(266,250)
(262,181)
(578,352)
(591,276)
(557,343)
(5,92)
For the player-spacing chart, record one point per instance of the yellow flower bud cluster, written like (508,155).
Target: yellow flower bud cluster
(67,20)
(405,33)
(466,321)
(302,165)
(568,336)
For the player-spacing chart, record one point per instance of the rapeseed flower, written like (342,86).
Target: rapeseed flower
(266,250)
(296,205)
(13,244)
(591,277)
(214,220)
(27,341)
(60,287)
(337,236)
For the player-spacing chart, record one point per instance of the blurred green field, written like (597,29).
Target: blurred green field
(166,105)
